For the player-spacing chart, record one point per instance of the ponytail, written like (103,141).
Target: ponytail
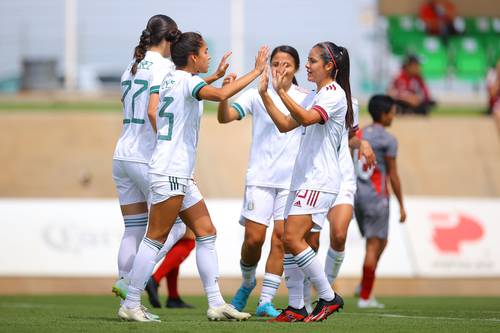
(339,56)
(159,28)
(141,49)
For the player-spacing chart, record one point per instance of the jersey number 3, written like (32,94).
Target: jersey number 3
(169,118)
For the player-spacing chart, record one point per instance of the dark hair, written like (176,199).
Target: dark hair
(410,59)
(187,44)
(292,52)
(380,104)
(159,28)
(340,73)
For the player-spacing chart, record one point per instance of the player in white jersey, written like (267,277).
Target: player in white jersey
(171,170)
(140,84)
(340,214)
(316,176)
(272,156)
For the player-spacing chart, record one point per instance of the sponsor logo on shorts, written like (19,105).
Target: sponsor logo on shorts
(250,205)
(297,204)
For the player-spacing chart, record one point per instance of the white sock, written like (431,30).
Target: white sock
(307,294)
(333,262)
(144,263)
(208,268)
(294,279)
(135,228)
(313,269)
(176,233)
(248,274)
(270,286)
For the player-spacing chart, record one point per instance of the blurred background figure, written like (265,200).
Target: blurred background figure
(493,86)
(439,18)
(409,89)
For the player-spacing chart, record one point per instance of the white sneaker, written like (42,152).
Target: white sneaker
(370,303)
(135,314)
(226,312)
(120,288)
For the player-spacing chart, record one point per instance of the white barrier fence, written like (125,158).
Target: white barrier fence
(443,237)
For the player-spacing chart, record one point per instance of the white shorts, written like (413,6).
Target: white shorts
(263,204)
(309,202)
(131,181)
(165,187)
(345,197)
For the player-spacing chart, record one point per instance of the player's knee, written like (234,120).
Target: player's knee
(338,240)
(254,241)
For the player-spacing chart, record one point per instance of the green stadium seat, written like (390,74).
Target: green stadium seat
(478,26)
(470,59)
(404,33)
(434,58)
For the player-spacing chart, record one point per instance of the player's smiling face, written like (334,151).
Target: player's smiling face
(202,59)
(317,70)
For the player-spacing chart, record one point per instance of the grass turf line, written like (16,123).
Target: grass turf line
(98,314)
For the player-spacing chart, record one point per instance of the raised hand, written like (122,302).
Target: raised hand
(228,79)
(279,76)
(223,65)
(261,59)
(264,80)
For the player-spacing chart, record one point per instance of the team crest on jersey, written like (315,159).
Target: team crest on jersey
(145,64)
(167,83)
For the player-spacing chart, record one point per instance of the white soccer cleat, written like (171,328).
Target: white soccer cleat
(226,312)
(370,303)
(136,314)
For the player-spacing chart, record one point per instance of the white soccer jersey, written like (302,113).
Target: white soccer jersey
(317,166)
(178,123)
(345,158)
(272,154)
(137,140)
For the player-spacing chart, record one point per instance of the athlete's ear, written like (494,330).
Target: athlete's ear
(329,66)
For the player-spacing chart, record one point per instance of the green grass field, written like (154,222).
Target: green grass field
(98,314)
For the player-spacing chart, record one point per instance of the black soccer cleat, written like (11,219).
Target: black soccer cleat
(324,308)
(152,290)
(178,303)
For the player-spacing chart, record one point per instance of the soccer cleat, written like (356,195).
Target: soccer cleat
(241,297)
(266,310)
(226,312)
(178,303)
(120,288)
(325,308)
(290,315)
(136,314)
(152,290)
(370,303)
(152,315)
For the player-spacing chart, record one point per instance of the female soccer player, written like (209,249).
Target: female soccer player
(316,175)
(269,173)
(140,86)
(171,170)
